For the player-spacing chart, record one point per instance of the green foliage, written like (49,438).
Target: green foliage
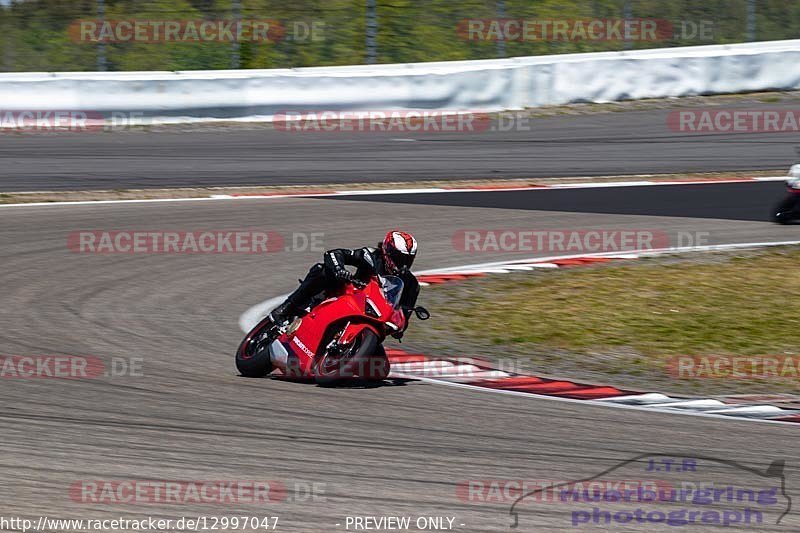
(35,33)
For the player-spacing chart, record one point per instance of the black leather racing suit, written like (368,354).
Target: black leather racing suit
(329,275)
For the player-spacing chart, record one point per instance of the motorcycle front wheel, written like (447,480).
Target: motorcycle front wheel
(786,211)
(362,358)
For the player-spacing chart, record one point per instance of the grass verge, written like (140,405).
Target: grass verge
(622,323)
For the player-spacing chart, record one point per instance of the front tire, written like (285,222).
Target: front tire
(786,211)
(781,218)
(362,359)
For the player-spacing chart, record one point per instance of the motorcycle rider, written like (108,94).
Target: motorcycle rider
(392,257)
(793,182)
(788,210)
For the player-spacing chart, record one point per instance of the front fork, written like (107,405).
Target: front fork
(336,345)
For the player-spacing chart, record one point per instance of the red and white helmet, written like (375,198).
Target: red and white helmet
(399,251)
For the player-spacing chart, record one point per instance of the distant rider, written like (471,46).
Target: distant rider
(793,182)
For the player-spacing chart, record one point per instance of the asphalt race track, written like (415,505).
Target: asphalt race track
(626,143)
(400,449)
(736,201)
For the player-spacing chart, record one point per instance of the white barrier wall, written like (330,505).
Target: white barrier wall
(460,85)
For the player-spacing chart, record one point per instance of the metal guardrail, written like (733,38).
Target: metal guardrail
(484,85)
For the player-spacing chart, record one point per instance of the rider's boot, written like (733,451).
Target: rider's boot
(283,313)
(314,283)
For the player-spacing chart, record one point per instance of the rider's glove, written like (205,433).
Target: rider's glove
(345,275)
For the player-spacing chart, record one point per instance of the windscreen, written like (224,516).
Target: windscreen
(393,290)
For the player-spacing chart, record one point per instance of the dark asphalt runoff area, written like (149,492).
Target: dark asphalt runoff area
(735,201)
(404,449)
(620,143)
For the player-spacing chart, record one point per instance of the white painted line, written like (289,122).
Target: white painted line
(622,256)
(110,202)
(447,370)
(520,267)
(587,185)
(752,410)
(606,185)
(468,271)
(640,399)
(422,366)
(486,374)
(459,371)
(385,191)
(700,404)
(604,403)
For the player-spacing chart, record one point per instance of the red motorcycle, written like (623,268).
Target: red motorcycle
(788,211)
(340,338)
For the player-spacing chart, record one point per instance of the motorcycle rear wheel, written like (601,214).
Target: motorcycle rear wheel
(253,358)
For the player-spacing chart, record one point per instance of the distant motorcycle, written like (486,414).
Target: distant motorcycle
(788,210)
(340,338)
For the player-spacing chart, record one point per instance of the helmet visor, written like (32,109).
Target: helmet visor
(401,261)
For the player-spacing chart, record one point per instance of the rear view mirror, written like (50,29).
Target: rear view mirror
(422,313)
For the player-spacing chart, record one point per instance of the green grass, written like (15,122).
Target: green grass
(630,318)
